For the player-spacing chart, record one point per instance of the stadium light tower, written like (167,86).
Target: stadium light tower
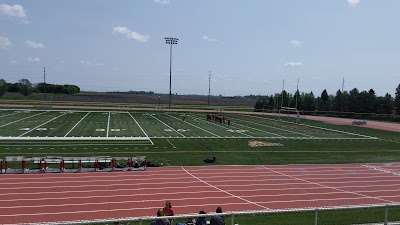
(170,41)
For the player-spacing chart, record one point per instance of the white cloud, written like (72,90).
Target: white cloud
(294,64)
(164,2)
(13,62)
(30,59)
(296,43)
(207,38)
(85,62)
(32,44)
(16,11)
(4,42)
(130,34)
(353,3)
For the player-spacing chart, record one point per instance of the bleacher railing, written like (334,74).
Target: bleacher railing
(231,215)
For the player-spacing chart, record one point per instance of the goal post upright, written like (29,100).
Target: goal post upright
(288,110)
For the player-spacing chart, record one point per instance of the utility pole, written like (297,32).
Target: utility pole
(44,79)
(297,92)
(283,88)
(209,88)
(343,85)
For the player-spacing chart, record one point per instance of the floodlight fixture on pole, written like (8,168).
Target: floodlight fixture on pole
(170,41)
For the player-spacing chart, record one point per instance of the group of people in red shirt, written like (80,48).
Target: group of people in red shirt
(217,118)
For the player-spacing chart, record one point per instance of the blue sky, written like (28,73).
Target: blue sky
(249,46)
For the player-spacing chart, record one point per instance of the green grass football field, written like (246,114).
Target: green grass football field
(182,138)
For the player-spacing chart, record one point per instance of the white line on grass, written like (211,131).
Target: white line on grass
(338,131)
(218,125)
(42,124)
(141,128)
(77,124)
(108,123)
(173,146)
(261,130)
(195,126)
(10,114)
(321,128)
(22,119)
(277,128)
(167,125)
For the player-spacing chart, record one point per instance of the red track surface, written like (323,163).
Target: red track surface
(86,196)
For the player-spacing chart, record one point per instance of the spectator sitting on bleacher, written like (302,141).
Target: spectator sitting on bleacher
(217,219)
(202,220)
(168,209)
(160,212)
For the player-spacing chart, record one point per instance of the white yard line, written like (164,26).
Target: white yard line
(277,128)
(22,119)
(338,131)
(321,128)
(261,130)
(42,124)
(168,126)
(141,128)
(108,123)
(76,124)
(10,114)
(195,126)
(217,124)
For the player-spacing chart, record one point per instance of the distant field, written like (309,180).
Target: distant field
(166,137)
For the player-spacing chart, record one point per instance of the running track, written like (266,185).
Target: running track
(34,198)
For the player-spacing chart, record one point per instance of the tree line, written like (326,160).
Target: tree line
(352,101)
(25,87)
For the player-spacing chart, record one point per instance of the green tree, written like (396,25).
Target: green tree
(324,103)
(3,87)
(384,105)
(397,100)
(309,102)
(25,87)
(12,87)
(338,102)
(354,100)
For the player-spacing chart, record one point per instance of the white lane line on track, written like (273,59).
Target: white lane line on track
(335,188)
(250,202)
(383,170)
(130,195)
(108,196)
(92,191)
(110,202)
